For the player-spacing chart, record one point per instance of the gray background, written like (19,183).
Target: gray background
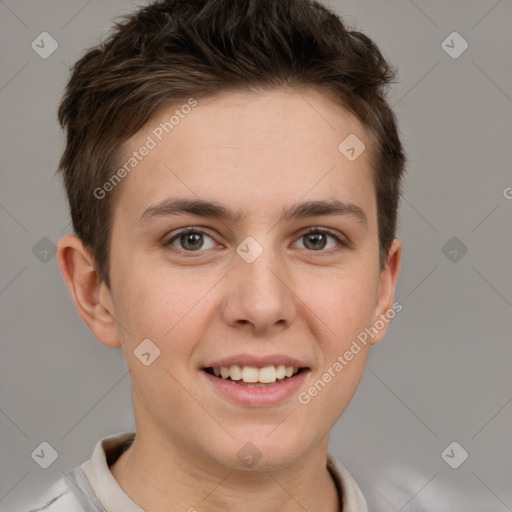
(443,372)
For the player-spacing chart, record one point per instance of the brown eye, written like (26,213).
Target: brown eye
(189,240)
(317,239)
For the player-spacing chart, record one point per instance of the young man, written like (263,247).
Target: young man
(233,173)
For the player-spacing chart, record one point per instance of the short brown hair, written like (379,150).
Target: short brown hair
(171,50)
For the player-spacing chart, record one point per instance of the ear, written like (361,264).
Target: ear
(386,294)
(91,296)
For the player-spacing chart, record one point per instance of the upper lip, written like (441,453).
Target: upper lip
(258,361)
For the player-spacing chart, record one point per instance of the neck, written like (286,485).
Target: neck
(167,476)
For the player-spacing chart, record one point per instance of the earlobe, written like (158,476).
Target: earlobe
(87,290)
(384,310)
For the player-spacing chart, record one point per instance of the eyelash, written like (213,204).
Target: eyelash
(343,243)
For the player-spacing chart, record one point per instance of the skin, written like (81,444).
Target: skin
(256,153)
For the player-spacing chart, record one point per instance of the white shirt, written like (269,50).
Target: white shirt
(91,487)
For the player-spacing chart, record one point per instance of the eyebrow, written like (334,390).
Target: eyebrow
(211,209)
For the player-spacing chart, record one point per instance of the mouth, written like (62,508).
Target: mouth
(253,376)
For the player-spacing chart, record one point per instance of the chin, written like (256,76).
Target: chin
(260,451)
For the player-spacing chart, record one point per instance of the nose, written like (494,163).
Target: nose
(260,294)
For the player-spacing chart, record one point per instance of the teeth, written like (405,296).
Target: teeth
(280,371)
(252,375)
(267,375)
(235,372)
(249,373)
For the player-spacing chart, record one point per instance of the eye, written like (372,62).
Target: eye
(190,240)
(316,239)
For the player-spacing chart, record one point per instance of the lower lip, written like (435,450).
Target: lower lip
(253,396)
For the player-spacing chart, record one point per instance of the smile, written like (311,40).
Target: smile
(253,376)
(248,390)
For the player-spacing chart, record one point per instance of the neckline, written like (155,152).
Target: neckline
(113,454)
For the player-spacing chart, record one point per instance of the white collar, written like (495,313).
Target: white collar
(114,499)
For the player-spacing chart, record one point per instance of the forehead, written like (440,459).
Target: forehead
(251,150)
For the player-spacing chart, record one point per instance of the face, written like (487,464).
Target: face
(239,283)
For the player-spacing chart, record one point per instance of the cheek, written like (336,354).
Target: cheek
(166,309)
(158,303)
(342,312)
(344,304)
